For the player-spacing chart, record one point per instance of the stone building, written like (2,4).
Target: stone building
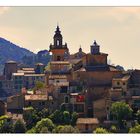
(27,77)
(90,73)
(59,51)
(3,108)
(87,125)
(10,67)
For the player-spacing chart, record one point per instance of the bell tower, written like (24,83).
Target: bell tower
(95,48)
(58,38)
(58,49)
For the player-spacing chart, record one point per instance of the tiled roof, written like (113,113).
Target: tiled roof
(11,62)
(124,78)
(60,62)
(97,68)
(75,61)
(36,97)
(57,76)
(28,69)
(87,121)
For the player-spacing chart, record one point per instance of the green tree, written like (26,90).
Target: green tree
(101,130)
(44,130)
(138,116)
(31,117)
(39,85)
(57,117)
(66,116)
(32,130)
(65,129)
(74,118)
(44,123)
(19,127)
(57,129)
(44,113)
(135,129)
(6,125)
(113,129)
(121,111)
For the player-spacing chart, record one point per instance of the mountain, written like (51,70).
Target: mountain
(42,56)
(10,51)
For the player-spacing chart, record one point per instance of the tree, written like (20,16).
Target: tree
(44,130)
(121,111)
(57,129)
(44,123)
(101,130)
(65,129)
(39,85)
(19,126)
(66,116)
(44,113)
(138,116)
(57,117)
(74,118)
(31,117)
(32,130)
(6,125)
(135,129)
(113,129)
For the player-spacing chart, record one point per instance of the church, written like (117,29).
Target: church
(85,82)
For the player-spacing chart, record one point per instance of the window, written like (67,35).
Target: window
(63,89)
(107,108)
(29,103)
(118,83)
(57,42)
(123,83)
(43,103)
(58,58)
(66,99)
(79,107)
(86,126)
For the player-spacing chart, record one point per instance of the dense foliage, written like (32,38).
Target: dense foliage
(44,123)
(120,112)
(65,129)
(101,130)
(19,127)
(135,129)
(33,116)
(64,117)
(6,125)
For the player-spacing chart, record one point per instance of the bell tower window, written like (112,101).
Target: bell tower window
(57,42)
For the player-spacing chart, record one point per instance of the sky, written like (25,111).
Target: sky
(115,29)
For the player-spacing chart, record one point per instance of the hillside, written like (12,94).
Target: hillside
(10,51)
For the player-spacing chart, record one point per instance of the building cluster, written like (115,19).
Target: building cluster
(80,82)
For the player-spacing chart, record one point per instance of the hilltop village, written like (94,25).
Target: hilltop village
(81,83)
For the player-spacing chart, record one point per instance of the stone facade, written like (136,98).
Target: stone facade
(3,108)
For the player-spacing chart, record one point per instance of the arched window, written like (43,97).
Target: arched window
(66,99)
(57,42)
